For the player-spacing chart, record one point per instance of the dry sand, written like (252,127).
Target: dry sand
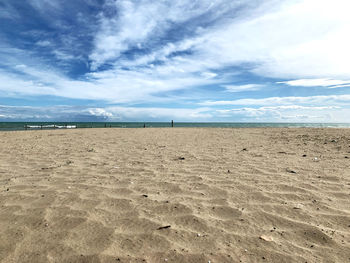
(228,195)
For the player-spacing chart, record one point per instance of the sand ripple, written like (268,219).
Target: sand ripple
(175,195)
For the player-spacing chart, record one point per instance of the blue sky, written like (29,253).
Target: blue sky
(187,60)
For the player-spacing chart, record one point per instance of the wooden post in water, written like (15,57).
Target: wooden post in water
(144,125)
(172,123)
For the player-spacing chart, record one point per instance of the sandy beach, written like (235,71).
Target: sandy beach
(175,195)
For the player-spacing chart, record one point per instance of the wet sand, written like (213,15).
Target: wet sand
(175,195)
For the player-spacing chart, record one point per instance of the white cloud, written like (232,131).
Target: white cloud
(44,43)
(263,110)
(339,86)
(305,38)
(99,112)
(247,87)
(317,83)
(61,55)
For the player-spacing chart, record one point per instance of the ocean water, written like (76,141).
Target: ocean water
(13,126)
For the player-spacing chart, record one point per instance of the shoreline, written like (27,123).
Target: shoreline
(155,128)
(10,126)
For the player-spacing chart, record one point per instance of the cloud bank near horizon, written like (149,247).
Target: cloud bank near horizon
(191,60)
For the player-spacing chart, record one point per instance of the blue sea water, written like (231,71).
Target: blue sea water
(8,126)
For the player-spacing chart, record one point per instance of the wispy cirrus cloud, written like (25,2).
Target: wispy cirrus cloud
(330,83)
(143,26)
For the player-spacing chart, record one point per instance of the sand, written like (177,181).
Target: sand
(175,195)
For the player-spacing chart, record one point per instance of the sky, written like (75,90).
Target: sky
(184,60)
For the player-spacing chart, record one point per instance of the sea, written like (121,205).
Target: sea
(17,126)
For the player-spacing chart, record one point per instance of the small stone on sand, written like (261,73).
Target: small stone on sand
(298,206)
(266,238)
